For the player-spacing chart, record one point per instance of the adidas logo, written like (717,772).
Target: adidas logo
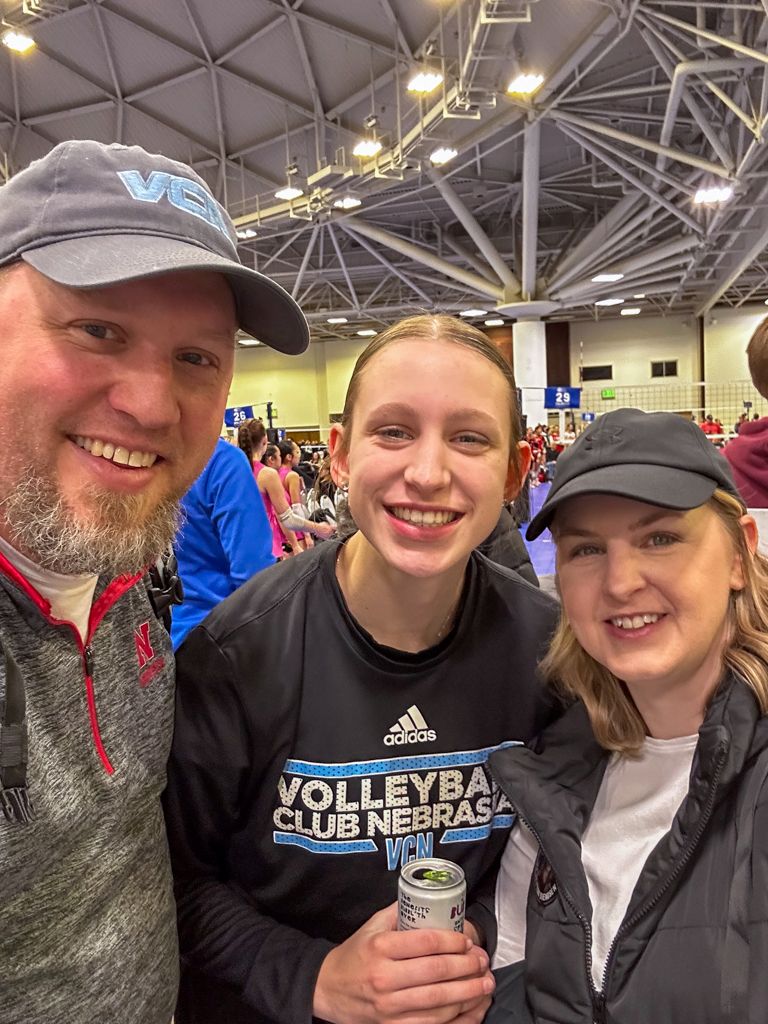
(411,728)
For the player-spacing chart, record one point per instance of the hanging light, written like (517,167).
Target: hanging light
(473,312)
(443,154)
(17,41)
(631,312)
(607,278)
(337,320)
(367,147)
(347,203)
(494,323)
(609,302)
(713,195)
(288,193)
(246,233)
(367,333)
(424,82)
(524,85)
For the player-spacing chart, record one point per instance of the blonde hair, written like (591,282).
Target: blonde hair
(616,722)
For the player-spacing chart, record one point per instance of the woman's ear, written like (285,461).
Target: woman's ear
(516,474)
(749,526)
(339,465)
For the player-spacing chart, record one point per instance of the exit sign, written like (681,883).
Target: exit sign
(608,393)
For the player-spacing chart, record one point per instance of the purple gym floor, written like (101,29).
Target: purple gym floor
(541,550)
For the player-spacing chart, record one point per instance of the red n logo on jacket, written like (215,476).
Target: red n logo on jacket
(144,650)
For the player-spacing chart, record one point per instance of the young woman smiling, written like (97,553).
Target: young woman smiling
(334,721)
(640,868)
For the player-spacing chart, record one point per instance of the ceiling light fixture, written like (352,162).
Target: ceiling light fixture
(494,323)
(248,342)
(631,312)
(367,333)
(607,278)
(640,295)
(246,233)
(713,195)
(337,320)
(524,85)
(473,312)
(347,203)
(443,155)
(609,302)
(424,82)
(17,41)
(367,147)
(288,193)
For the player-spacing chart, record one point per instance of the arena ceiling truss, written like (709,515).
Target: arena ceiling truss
(598,173)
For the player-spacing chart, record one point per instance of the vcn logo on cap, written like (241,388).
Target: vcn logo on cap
(183,193)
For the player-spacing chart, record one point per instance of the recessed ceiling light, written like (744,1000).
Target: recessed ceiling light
(631,312)
(607,278)
(494,323)
(524,85)
(246,233)
(367,333)
(443,155)
(609,302)
(713,195)
(289,192)
(347,203)
(640,295)
(473,312)
(367,147)
(17,41)
(425,82)
(337,320)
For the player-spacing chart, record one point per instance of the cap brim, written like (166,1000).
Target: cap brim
(655,485)
(264,309)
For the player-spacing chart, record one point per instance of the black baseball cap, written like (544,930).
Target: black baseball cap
(656,457)
(89,215)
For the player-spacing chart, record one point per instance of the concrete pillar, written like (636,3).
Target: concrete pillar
(321,382)
(530,362)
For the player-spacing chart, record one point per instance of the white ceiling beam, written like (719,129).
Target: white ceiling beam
(354,36)
(305,261)
(474,230)
(414,252)
(385,262)
(343,265)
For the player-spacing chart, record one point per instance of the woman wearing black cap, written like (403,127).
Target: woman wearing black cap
(644,810)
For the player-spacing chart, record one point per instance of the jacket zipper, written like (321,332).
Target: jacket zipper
(101,606)
(598,1002)
(693,842)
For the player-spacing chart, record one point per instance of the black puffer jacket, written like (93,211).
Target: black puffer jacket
(693,946)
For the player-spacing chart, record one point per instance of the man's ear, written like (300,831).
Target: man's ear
(339,456)
(516,475)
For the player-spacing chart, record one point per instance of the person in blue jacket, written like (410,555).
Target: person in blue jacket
(225,537)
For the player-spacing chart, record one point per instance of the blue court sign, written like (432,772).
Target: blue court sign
(588,417)
(237,415)
(562,398)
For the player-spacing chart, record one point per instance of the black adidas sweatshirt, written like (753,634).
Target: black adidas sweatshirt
(309,763)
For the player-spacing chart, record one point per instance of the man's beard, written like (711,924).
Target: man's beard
(120,536)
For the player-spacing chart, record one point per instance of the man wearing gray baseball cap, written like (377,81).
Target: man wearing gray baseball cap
(120,295)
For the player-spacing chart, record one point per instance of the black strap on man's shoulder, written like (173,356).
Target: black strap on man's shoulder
(164,586)
(15,801)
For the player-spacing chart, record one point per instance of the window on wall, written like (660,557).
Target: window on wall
(667,368)
(597,373)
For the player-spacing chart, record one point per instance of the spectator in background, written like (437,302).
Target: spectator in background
(711,426)
(748,453)
(292,482)
(226,537)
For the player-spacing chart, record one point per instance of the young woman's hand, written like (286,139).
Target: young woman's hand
(324,530)
(416,977)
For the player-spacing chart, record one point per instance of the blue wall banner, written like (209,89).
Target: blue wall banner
(562,398)
(234,417)
(588,417)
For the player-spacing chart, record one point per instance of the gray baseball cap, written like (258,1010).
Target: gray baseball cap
(89,215)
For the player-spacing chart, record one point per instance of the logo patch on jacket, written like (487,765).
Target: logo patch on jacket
(410,728)
(544,880)
(145,652)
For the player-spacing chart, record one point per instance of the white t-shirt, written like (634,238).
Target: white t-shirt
(635,807)
(71,597)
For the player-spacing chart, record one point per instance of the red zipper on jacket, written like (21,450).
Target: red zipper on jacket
(99,609)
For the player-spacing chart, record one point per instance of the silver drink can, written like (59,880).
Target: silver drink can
(431,893)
